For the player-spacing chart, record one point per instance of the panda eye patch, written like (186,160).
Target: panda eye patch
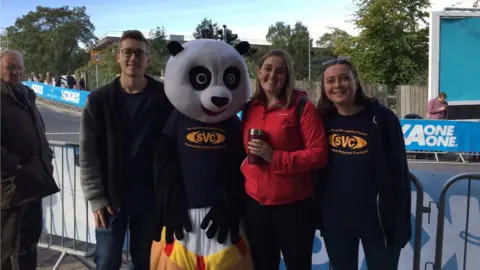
(231,77)
(200,77)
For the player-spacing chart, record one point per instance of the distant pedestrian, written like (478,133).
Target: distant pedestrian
(58,80)
(26,165)
(438,107)
(71,82)
(49,79)
(81,84)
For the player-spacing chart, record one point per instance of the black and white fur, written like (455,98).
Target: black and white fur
(207,80)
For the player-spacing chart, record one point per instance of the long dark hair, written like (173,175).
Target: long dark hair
(325,106)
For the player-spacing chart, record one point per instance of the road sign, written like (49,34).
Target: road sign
(96,57)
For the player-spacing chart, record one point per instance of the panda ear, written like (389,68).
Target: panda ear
(174,47)
(242,47)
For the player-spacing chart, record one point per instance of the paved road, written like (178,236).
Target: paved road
(61,125)
(449,167)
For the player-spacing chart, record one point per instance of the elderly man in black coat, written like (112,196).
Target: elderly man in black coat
(26,167)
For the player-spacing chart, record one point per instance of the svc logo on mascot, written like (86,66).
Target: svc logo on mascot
(198,184)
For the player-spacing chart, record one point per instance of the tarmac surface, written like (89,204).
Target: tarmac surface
(450,167)
(61,124)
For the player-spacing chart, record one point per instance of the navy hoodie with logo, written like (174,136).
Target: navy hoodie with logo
(365,189)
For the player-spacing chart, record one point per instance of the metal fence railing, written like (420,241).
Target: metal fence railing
(63,211)
(68,227)
(437,265)
(439,156)
(417,228)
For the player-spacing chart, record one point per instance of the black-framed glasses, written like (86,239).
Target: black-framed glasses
(336,61)
(138,53)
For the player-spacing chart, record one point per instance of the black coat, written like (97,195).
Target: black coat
(27,170)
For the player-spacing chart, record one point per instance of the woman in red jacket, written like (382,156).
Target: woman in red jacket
(278,209)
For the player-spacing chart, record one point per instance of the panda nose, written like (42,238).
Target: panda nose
(220,101)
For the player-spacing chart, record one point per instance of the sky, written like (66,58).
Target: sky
(249,19)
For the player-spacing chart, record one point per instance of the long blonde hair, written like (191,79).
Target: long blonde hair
(286,94)
(48,79)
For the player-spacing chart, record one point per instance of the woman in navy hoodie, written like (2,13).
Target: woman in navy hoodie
(364,192)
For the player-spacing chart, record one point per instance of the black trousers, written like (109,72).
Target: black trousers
(286,228)
(21,229)
(342,250)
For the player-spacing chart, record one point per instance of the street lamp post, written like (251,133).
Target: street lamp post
(225,33)
(309,57)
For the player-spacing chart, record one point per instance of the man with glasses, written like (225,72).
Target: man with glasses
(26,165)
(119,124)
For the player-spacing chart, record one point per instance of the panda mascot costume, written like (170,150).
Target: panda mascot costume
(199,188)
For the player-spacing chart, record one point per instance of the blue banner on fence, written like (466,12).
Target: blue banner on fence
(441,135)
(63,95)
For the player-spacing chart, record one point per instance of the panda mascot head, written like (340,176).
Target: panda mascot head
(207,80)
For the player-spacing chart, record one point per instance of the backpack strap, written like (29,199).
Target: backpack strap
(300,107)
(245,110)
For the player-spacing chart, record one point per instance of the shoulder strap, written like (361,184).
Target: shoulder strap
(245,110)
(300,107)
(299,112)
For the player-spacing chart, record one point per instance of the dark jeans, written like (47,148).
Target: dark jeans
(342,250)
(21,229)
(110,241)
(287,228)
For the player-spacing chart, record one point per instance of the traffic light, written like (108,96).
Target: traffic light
(230,37)
(217,33)
(206,33)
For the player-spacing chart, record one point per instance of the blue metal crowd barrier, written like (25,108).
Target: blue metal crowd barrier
(69,228)
(67,96)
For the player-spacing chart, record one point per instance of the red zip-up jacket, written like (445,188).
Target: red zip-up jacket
(299,149)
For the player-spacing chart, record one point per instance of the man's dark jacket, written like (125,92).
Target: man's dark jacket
(100,142)
(27,170)
(391,176)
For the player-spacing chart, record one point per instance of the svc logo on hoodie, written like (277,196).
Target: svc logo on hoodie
(347,142)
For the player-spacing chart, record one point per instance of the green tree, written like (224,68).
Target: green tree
(335,43)
(392,47)
(158,51)
(206,23)
(294,40)
(50,38)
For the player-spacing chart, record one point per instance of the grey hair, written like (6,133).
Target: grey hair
(5,52)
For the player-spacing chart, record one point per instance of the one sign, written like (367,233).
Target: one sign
(441,135)
(96,57)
